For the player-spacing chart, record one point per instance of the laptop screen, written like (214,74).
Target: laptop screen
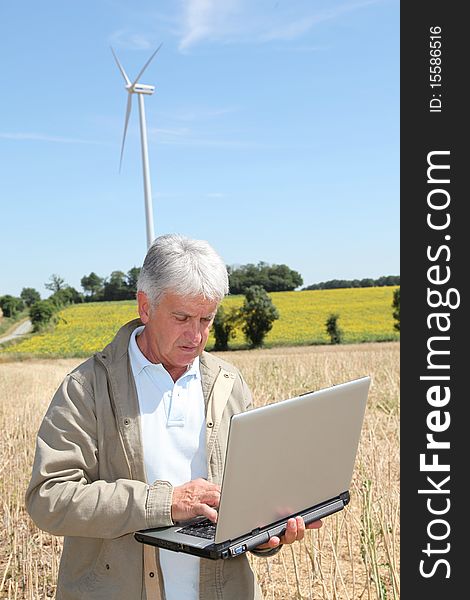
(289,456)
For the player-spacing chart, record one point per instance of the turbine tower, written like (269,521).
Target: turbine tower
(140,89)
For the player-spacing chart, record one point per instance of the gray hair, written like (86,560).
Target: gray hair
(183,266)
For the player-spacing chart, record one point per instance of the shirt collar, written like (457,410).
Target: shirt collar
(139,361)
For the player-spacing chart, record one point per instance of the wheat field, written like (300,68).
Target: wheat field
(354,556)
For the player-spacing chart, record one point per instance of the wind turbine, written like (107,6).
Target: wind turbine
(140,89)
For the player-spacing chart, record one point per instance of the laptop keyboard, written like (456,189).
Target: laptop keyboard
(204,529)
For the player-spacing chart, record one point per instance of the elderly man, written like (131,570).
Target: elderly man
(125,444)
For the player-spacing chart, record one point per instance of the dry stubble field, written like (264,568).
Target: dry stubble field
(355,555)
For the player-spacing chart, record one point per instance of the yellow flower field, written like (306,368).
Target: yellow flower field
(365,315)
(82,330)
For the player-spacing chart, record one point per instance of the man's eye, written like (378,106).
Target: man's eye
(181,318)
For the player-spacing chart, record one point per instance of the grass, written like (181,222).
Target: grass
(365,315)
(354,556)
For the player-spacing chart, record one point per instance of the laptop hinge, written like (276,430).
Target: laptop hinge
(345,497)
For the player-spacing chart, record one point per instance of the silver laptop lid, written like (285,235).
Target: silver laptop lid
(286,457)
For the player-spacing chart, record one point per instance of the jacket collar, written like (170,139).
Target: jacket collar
(115,359)
(117,349)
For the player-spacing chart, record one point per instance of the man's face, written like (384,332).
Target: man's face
(176,329)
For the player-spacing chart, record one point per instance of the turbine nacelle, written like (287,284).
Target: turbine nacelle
(140,88)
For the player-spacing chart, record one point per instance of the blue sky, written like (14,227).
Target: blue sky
(273,133)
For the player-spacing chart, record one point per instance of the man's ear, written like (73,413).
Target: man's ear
(143,305)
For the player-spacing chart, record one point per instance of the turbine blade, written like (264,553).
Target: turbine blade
(121,68)
(128,112)
(145,66)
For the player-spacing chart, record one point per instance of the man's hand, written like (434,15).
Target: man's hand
(195,498)
(295,532)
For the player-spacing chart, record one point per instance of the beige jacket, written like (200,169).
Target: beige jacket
(88,481)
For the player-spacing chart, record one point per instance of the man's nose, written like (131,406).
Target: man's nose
(194,332)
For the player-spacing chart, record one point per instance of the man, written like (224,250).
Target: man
(130,442)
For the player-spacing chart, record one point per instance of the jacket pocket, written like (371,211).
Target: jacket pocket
(114,572)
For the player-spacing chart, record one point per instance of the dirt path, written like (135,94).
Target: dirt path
(22,329)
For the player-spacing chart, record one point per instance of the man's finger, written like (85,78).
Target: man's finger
(211,498)
(314,525)
(290,534)
(273,542)
(206,511)
(206,485)
(300,528)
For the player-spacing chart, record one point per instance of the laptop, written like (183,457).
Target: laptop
(293,457)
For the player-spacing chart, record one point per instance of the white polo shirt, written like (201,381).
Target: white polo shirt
(174,445)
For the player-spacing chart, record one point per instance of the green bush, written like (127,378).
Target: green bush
(396,309)
(11,305)
(42,313)
(224,327)
(333,330)
(65,296)
(258,314)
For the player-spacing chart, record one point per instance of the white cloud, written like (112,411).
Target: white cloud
(179,132)
(243,21)
(123,38)
(200,114)
(295,28)
(41,137)
(207,19)
(230,21)
(192,139)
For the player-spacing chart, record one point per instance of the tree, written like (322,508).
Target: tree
(55,284)
(116,288)
(396,309)
(66,295)
(30,296)
(11,305)
(132,277)
(332,329)
(224,327)
(273,278)
(258,314)
(387,280)
(92,284)
(41,313)
(282,279)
